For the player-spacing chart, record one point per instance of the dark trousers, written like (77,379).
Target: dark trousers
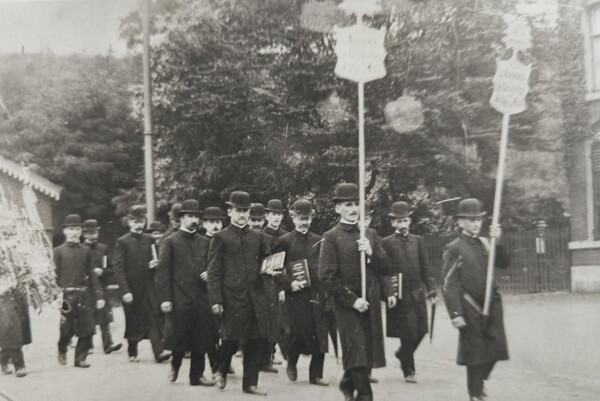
(197,363)
(406,354)
(12,355)
(107,340)
(476,374)
(317,360)
(213,359)
(156,341)
(84,344)
(253,356)
(357,379)
(268,354)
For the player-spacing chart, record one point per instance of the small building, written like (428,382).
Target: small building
(24,193)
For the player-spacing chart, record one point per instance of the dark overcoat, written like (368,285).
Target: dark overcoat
(464,272)
(132,258)
(15,326)
(234,259)
(75,270)
(361,334)
(408,320)
(305,316)
(273,286)
(183,258)
(99,251)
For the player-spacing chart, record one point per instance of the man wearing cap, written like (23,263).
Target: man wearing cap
(181,289)
(82,292)
(482,341)
(305,299)
(237,294)
(212,220)
(134,269)
(103,269)
(358,319)
(408,320)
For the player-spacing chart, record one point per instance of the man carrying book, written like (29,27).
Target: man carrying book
(412,281)
(305,298)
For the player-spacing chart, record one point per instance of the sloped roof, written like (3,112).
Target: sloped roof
(22,174)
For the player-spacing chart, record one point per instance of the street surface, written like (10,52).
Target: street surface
(554,344)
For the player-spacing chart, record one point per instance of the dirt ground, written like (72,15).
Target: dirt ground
(554,344)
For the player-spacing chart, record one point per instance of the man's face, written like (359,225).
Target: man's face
(239,216)
(470,225)
(256,223)
(274,219)
(213,226)
(190,221)
(157,235)
(302,223)
(136,225)
(91,237)
(348,210)
(401,224)
(72,234)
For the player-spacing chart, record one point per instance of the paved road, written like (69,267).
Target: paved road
(554,341)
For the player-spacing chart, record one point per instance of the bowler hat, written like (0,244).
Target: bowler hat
(213,213)
(400,210)
(91,225)
(155,226)
(257,211)
(275,206)
(470,207)
(175,209)
(240,200)
(303,208)
(346,191)
(137,212)
(191,206)
(72,220)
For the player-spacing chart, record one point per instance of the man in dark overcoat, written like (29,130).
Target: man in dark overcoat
(408,320)
(358,319)
(482,341)
(274,216)
(181,288)
(237,292)
(134,269)
(103,268)
(15,330)
(304,301)
(82,292)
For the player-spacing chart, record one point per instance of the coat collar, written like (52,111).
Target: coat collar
(470,239)
(348,227)
(237,229)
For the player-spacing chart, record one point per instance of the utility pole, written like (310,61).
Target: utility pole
(148,130)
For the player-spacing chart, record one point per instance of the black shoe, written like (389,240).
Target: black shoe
(292,373)
(163,356)
(348,397)
(220,381)
(319,382)
(62,358)
(6,369)
(269,369)
(202,381)
(113,348)
(254,390)
(21,372)
(373,379)
(82,364)
(173,373)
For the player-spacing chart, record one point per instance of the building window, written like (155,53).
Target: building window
(594,29)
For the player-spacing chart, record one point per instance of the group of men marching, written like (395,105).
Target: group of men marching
(208,295)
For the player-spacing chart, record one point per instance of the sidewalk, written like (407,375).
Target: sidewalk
(554,343)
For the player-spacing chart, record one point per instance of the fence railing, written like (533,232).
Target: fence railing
(538,263)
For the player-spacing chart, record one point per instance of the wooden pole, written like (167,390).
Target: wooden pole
(361,183)
(148,131)
(496,214)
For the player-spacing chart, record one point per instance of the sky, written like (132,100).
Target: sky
(63,26)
